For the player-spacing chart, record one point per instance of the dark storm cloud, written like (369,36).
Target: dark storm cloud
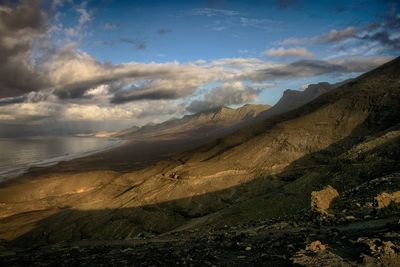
(384,39)
(25,15)
(311,68)
(158,79)
(385,33)
(113,80)
(11,100)
(136,94)
(19,25)
(32,97)
(154,90)
(138,44)
(302,68)
(79,89)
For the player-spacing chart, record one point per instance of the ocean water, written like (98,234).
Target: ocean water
(18,154)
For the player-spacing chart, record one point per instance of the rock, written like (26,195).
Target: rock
(321,200)
(350,218)
(140,235)
(389,248)
(316,246)
(174,175)
(384,253)
(323,258)
(385,199)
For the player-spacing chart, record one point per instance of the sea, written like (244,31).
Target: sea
(17,155)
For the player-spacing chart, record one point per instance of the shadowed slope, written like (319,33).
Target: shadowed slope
(292,99)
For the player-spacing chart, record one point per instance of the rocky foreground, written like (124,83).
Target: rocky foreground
(360,227)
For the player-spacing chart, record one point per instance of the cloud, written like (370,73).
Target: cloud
(228,94)
(174,85)
(52,110)
(212,12)
(289,52)
(151,91)
(73,73)
(383,38)
(59,3)
(11,100)
(69,84)
(382,35)
(385,33)
(109,26)
(85,17)
(31,112)
(31,97)
(85,89)
(20,25)
(313,68)
(302,68)
(94,112)
(229,18)
(258,23)
(236,65)
(332,36)
(336,36)
(138,44)
(361,63)
(293,41)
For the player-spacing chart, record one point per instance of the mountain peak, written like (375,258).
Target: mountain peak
(289,92)
(223,109)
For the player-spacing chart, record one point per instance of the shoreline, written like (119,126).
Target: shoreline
(17,172)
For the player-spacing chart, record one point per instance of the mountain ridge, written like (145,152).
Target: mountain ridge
(220,119)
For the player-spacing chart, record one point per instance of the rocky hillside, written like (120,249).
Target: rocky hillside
(292,99)
(244,198)
(222,119)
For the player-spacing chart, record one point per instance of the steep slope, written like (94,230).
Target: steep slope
(222,119)
(292,99)
(345,138)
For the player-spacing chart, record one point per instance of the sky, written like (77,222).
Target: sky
(111,64)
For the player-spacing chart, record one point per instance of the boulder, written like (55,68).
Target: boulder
(316,246)
(321,200)
(384,199)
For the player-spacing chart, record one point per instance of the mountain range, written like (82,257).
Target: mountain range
(223,119)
